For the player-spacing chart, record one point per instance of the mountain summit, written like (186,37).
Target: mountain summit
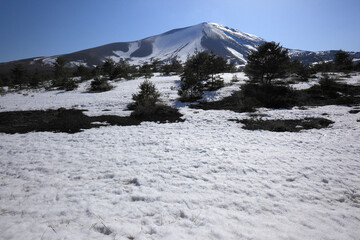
(179,43)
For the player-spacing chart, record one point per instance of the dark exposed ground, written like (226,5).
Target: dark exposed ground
(281,125)
(354,111)
(73,121)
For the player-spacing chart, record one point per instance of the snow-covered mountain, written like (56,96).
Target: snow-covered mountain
(178,43)
(224,41)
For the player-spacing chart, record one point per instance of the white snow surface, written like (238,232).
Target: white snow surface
(49,60)
(205,178)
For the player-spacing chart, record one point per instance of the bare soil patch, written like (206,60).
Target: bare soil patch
(73,121)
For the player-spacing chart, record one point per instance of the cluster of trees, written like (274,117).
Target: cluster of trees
(174,66)
(342,62)
(270,61)
(200,74)
(62,76)
(21,77)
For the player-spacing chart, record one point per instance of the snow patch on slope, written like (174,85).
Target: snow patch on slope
(49,60)
(179,43)
(236,54)
(133,46)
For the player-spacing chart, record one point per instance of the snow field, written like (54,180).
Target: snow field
(205,178)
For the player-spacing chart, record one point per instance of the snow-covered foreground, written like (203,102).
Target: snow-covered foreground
(205,178)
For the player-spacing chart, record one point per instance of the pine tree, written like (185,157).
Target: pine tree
(214,65)
(108,67)
(268,62)
(191,87)
(342,61)
(61,73)
(199,74)
(35,78)
(145,70)
(148,95)
(19,75)
(155,65)
(176,66)
(84,72)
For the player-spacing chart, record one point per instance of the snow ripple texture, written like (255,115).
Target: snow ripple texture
(205,178)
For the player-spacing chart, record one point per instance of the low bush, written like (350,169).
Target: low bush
(188,98)
(252,96)
(234,79)
(70,85)
(266,95)
(157,113)
(215,84)
(329,86)
(281,125)
(100,85)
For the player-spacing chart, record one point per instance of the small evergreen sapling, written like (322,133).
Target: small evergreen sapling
(148,95)
(100,84)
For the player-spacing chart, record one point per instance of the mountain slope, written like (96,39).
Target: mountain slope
(178,43)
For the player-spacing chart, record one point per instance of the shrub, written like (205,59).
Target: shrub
(272,96)
(84,72)
(61,73)
(342,61)
(234,79)
(191,89)
(147,97)
(70,84)
(157,113)
(174,66)
(108,67)
(216,83)
(302,71)
(147,108)
(100,85)
(19,75)
(329,86)
(282,125)
(146,71)
(35,79)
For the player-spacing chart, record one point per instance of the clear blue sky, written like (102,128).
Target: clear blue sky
(30,28)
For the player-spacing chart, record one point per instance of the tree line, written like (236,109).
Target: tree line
(199,73)
(64,76)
